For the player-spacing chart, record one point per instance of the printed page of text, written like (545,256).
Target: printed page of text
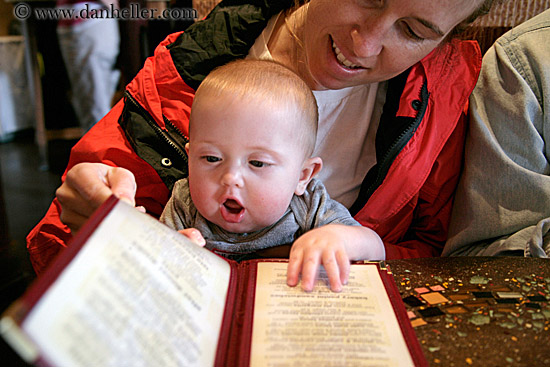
(356,327)
(137,294)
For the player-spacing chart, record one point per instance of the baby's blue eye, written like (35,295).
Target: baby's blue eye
(212,159)
(257,164)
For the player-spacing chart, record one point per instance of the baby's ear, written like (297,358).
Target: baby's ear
(311,167)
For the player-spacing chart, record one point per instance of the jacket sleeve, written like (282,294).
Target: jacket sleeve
(431,207)
(105,143)
(161,93)
(47,238)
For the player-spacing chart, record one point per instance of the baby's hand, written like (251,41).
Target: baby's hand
(324,245)
(194,235)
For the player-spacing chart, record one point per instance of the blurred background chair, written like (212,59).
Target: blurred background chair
(502,18)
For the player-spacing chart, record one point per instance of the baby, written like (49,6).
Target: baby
(251,184)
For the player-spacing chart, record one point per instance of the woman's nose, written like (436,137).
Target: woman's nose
(232,177)
(367,41)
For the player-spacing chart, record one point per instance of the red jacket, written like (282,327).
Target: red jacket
(406,197)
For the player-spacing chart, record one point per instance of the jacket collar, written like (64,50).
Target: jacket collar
(226,34)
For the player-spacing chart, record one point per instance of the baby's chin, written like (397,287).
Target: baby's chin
(238,228)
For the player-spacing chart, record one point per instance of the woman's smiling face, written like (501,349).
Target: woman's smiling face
(354,42)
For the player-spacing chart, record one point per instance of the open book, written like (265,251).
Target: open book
(131,291)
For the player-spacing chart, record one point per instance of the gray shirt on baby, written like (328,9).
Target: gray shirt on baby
(312,209)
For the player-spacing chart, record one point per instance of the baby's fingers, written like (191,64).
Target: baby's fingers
(343,265)
(333,272)
(294,268)
(194,235)
(310,268)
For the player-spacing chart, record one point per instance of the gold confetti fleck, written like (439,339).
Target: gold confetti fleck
(514,338)
(418,322)
(434,298)
(469,361)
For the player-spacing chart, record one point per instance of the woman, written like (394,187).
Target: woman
(392,95)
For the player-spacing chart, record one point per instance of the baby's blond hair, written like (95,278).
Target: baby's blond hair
(261,80)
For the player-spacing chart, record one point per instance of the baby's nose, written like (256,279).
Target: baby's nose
(232,177)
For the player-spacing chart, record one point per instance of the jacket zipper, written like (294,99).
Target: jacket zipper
(399,143)
(158,131)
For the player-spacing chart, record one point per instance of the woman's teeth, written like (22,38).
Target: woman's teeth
(342,59)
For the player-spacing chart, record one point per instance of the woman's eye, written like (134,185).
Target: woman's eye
(411,34)
(370,3)
(257,164)
(211,159)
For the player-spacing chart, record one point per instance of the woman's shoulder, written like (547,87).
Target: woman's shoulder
(454,61)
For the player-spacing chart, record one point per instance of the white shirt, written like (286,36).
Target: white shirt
(348,120)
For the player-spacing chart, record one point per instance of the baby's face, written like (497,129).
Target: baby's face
(245,162)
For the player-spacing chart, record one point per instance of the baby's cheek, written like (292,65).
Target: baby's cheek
(202,199)
(274,205)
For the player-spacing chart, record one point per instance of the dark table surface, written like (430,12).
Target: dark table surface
(478,311)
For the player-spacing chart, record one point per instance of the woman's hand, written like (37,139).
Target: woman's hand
(87,186)
(332,246)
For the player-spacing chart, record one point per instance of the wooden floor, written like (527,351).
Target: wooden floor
(28,189)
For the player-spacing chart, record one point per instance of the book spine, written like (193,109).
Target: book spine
(227,341)
(238,348)
(246,318)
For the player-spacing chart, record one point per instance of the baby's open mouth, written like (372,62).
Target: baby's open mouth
(232,211)
(232,206)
